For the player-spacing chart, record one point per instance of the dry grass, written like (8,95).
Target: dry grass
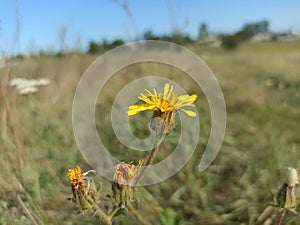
(261,84)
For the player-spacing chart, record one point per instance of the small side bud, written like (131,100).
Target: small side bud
(292,177)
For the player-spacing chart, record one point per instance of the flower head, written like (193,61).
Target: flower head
(26,86)
(79,181)
(164,102)
(125,174)
(292,176)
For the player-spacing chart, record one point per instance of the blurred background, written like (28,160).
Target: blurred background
(253,48)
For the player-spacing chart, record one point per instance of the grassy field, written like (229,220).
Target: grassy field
(261,85)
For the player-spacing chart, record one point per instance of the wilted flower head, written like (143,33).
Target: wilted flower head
(78,180)
(125,174)
(164,102)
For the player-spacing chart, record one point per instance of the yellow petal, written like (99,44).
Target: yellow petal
(135,109)
(185,100)
(193,97)
(149,92)
(155,93)
(145,98)
(189,113)
(167,91)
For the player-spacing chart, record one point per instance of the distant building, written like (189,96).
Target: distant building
(264,36)
(288,36)
(270,36)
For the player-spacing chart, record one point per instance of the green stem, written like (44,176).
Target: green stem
(112,214)
(98,211)
(149,161)
(136,215)
(102,215)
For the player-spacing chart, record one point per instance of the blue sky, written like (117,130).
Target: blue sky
(40,21)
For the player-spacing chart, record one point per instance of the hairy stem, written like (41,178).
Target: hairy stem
(99,212)
(106,219)
(148,163)
(281,219)
(136,215)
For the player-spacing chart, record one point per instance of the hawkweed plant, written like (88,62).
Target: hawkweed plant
(164,106)
(127,175)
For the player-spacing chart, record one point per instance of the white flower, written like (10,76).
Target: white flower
(292,177)
(42,82)
(17,81)
(26,86)
(27,90)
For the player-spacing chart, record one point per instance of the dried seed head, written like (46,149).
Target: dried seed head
(292,177)
(125,174)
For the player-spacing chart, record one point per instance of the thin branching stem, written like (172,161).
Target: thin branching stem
(98,211)
(282,216)
(26,210)
(102,215)
(113,213)
(136,215)
(148,162)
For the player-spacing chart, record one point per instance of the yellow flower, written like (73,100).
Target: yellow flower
(78,180)
(125,174)
(164,102)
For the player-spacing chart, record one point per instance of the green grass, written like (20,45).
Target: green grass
(261,85)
